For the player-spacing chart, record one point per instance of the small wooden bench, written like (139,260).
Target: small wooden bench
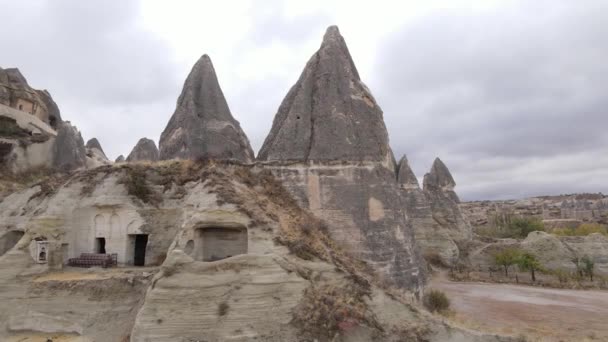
(94,259)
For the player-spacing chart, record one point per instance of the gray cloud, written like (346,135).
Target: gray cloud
(512,99)
(106,73)
(523,84)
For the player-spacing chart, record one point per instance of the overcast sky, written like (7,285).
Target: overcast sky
(512,95)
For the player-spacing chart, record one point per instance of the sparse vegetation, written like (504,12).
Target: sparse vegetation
(135,182)
(436,301)
(582,230)
(326,310)
(507,225)
(10,129)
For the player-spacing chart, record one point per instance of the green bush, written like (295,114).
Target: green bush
(507,225)
(528,262)
(436,301)
(520,227)
(506,258)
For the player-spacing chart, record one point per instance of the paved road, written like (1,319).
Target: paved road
(558,315)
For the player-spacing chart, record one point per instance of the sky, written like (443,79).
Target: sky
(511,95)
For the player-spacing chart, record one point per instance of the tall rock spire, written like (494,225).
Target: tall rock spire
(144,150)
(329,114)
(202,125)
(405,176)
(440,179)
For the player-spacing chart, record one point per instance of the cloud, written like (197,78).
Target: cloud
(108,75)
(522,84)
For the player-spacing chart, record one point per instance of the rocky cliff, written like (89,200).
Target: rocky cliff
(202,126)
(329,146)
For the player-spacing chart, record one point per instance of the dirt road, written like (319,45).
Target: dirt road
(555,315)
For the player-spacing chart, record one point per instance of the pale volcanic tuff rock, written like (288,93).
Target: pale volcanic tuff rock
(120,159)
(433,238)
(439,190)
(145,150)
(329,146)
(94,143)
(202,126)
(329,114)
(15,92)
(95,155)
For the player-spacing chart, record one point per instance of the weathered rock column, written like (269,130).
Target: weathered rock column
(329,146)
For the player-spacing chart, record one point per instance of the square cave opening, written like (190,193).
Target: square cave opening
(217,243)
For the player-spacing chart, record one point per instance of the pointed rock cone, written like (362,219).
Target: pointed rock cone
(202,126)
(94,143)
(439,177)
(329,114)
(405,176)
(145,150)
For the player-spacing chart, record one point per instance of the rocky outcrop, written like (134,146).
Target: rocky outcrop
(434,239)
(15,92)
(329,146)
(95,155)
(69,152)
(439,190)
(120,159)
(329,114)
(202,126)
(144,150)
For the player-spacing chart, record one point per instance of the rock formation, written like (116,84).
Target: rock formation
(95,155)
(273,258)
(69,152)
(94,144)
(202,126)
(329,114)
(329,146)
(434,239)
(15,92)
(120,159)
(438,186)
(144,150)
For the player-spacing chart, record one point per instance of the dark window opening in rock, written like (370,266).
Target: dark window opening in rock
(100,245)
(9,240)
(217,243)
(20,107)
(53,121)
(139,251)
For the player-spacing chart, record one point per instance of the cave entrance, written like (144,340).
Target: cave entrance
(217,243)
(139,249)
(9,240)
(100,245)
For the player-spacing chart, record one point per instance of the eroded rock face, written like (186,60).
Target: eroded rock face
(69,152)
(329,147)
(329,114)
(95,155)
(120,159)
(144,150)
(434,239)
(15,92)
(202,126)
(439,190)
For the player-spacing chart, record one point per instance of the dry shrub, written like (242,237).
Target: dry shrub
(136,183)
(326,310)
(436,301)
